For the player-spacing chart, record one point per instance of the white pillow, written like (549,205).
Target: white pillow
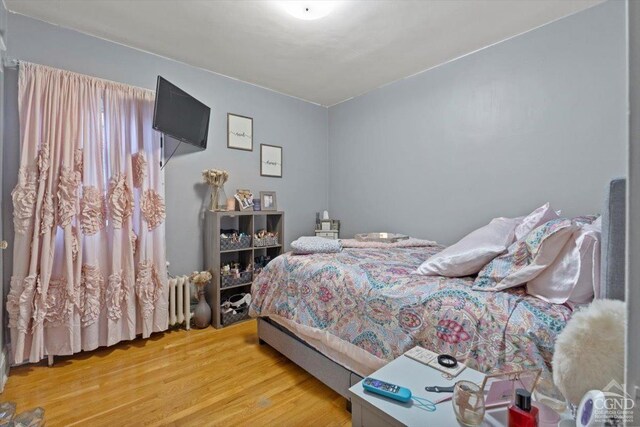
(473,251)
(535,219)
(574,276)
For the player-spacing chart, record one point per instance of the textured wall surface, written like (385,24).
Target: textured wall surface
(539,117)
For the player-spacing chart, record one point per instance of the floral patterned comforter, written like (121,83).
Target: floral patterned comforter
(371,299)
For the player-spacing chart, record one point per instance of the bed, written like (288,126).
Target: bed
(343,316)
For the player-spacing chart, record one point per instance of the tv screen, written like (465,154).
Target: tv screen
(180,115)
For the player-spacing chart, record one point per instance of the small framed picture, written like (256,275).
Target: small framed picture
(268,201)
(244,199)
(270,160)
(500,389)
(239,132)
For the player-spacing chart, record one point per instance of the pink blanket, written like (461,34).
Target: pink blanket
(407,243)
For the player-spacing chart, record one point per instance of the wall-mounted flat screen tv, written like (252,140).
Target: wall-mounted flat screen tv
(180,115)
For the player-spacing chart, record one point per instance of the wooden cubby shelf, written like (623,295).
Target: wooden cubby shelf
(245,222)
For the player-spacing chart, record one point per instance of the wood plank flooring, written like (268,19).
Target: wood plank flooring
(202,377)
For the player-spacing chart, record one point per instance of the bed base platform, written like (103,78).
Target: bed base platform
(332,374)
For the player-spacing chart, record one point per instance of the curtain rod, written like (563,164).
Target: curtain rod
(15,63)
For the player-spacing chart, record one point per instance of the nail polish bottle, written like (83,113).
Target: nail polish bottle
(521,413)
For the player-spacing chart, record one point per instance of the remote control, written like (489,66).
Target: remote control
(391,391)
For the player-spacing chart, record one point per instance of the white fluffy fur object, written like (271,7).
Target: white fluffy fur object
(589,352)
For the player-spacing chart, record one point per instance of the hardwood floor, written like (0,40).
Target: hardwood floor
(184,378)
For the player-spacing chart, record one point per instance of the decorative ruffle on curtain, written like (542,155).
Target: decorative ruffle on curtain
(89,265)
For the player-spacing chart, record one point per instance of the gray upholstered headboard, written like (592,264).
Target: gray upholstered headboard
(612,264)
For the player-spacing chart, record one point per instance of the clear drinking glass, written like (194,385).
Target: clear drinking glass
(468,403)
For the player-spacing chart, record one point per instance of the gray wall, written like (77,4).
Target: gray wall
(540,117)
(299,127)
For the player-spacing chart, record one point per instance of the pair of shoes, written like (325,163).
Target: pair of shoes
(228,310)
(236,303)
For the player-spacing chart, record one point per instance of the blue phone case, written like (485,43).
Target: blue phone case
(385,389)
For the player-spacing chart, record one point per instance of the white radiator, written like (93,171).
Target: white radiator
(180,301)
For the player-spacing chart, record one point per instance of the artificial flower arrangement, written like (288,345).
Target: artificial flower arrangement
(202,312)
(200,278)
(216,178)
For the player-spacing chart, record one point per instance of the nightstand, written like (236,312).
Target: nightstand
(372,410)
(328,234)
(327,228)
(368,409)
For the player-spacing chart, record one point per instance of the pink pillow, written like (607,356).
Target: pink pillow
(473,251)
(574,276)
(535,219)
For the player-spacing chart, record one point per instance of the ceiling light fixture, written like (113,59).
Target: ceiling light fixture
(309,10)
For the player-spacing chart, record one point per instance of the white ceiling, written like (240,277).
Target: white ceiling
(359,46)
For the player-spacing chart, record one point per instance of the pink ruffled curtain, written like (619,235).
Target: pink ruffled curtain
(89,255)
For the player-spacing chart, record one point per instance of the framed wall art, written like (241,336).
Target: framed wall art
(268,201)
(270,160)
(239,132)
